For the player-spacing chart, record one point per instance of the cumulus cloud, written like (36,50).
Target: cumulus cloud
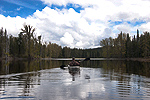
(124,27)
(12,24)
(96,21)
(145,27)
(67,39)
(65,27)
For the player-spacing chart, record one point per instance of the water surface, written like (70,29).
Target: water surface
(97,80)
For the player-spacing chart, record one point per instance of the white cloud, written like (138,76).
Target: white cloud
(19,8)
(145,27)
(12,24)
(67,39)
(124,27)
(66,27)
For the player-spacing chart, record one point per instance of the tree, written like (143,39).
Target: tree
(128,47)
(21,45)
(4,43)
(145,44)
(105,49)
(66,52)
(39,45)
(29,31)
(1,42)
(137,45)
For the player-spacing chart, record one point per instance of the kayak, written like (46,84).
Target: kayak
(73,68)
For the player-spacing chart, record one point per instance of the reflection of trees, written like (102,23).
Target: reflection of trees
(30,83)
(126,74)
(27,66)
(4,69)
(120,67)
(25,80)
(27,85)
(123,88)
(7,67)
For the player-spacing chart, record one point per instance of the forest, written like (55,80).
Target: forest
(125,46)
(28,45)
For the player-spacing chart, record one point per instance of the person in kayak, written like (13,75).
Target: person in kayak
(74,63)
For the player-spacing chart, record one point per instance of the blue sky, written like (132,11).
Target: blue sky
(21,8)
(24,8)
(76,23)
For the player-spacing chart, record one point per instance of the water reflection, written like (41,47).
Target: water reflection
(27,66)
(74,71)
(94,81)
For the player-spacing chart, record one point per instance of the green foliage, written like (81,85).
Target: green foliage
(29,35)
(28,45)
(123,46)
(4,44)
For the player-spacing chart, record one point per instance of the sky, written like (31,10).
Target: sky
(76,23)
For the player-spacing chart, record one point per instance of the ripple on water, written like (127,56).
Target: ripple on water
(57,84)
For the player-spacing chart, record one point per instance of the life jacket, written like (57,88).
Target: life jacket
(74,63)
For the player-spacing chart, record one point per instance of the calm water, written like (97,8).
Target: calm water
(97,80)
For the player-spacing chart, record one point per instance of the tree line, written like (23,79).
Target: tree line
(125,46)
(28,45)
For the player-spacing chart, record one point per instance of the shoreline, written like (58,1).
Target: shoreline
(139,59)
(127,59)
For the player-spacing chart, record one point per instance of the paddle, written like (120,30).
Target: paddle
(86,59)
(63,66)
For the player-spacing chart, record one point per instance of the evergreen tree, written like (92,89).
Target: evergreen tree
(29,31)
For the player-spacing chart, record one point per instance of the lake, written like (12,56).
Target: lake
(96,80)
